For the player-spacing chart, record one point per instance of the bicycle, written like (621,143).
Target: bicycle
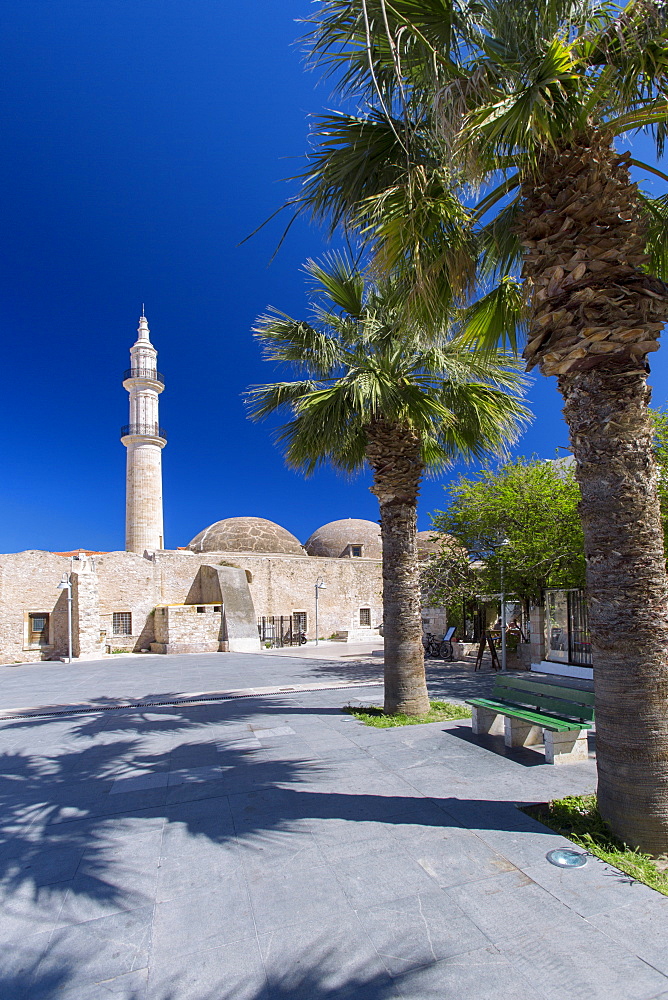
(432,645)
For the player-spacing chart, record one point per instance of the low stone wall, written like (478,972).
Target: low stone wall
(188,628)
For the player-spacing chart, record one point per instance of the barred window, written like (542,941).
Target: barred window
(365,617)
(121,623)
(38,625)
(299,621)
(356,550)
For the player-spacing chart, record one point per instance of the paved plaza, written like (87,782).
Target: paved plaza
(269,846)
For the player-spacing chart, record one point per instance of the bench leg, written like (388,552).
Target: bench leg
(567,747)
(485,722)
(518,733)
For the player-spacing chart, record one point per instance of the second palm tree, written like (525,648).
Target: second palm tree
(374,391)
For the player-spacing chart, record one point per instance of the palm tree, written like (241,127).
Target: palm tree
(372,391)
(530,99)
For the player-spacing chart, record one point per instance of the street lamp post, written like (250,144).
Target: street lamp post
(319,585)
(503,623)
(66,584)
(503,611)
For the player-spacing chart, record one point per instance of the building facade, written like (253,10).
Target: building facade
(209,595)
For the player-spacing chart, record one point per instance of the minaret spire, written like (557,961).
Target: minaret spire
(144,439)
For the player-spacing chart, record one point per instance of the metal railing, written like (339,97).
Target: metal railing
(144,373)
(280,630)
(146,430)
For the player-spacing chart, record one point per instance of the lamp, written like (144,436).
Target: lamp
(319,585)
(66,584)
(502,543)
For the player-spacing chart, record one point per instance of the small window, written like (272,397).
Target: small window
(39,629)
(201,610)
(365,617)
(121,623)
(299,621)
(217,608)
(356,550)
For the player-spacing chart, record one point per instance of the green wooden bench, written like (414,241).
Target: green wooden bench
(531,712)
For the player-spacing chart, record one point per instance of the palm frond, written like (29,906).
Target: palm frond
(495,320)
(656,213)
(341,282)
(382,367)
(263,400)
(285,339)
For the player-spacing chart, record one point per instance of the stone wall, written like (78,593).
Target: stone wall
(28,583)
(435,620)
(189,628)
(230,585)
(138,583)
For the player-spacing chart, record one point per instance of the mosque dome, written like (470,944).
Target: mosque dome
(430,543)
(349,537)
(246,534)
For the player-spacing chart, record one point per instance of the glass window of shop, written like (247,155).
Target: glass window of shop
(566,627)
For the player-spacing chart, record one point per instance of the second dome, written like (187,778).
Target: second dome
(349,537)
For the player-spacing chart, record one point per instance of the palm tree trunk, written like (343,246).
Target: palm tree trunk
(595,315)
(611,433)
(394,454)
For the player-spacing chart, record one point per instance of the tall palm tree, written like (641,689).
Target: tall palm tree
(372,392)
(531,98)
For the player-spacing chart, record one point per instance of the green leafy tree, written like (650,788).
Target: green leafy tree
(522,515)
(529,99)
(449,579)
(660,420)
(372,392)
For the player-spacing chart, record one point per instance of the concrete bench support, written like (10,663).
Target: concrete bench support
(485,722)
(567,747)
(518,733)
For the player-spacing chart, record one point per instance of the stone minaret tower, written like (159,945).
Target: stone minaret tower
(144,439)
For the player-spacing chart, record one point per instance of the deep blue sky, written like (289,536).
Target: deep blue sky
(143,141)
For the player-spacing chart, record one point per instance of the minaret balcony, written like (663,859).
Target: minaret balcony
(144,430)
(148,373)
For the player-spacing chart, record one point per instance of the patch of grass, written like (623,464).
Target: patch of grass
(578,818)
(439,712)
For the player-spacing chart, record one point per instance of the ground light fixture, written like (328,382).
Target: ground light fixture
(319,585)
(565,858)
(66,584)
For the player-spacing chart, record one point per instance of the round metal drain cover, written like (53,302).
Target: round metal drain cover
(566,859)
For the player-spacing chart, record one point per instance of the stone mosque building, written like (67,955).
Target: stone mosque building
(228,589)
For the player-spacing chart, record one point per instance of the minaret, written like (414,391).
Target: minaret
(144,439)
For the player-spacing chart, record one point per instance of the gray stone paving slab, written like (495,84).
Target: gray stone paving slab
(481,973)
(340,839)
(233,971)
(292,953)
(579,962)
(101,949)
(451,855)
(501,904)
(643,923)
(372,877)
(415,931)
(294,897)
(194,921)
(599,887)
(281,849)
(279,852)
(131,986)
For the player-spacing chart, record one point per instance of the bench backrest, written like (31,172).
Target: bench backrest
(568,702)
